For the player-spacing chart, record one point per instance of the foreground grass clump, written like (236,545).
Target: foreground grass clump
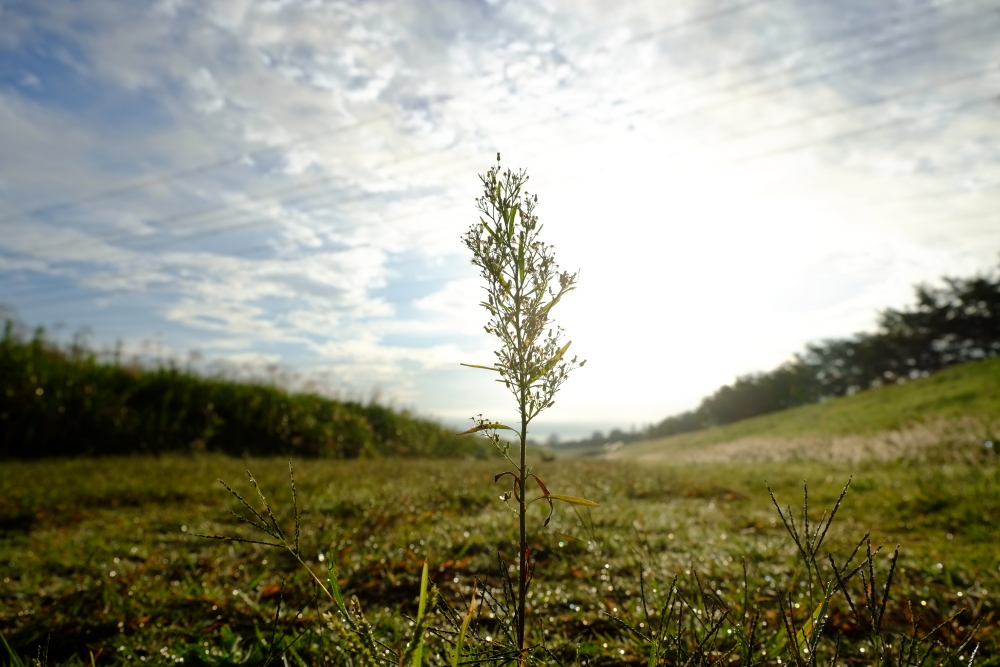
(67,402)
(98,557)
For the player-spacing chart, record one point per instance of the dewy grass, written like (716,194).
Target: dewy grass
(67,525)
(694,621)
(372,648)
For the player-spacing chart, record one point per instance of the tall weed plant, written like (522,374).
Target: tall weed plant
(523,285)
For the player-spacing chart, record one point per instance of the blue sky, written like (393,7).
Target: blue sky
(281,184)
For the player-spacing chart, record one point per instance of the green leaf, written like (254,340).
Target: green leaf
(485,368)
(654,653)
(457,655)
(331,570)
(483,427)
(486,225)
(573,499)
(16,661)
(422,608)
(548,306)
(503,281)
(807,629)
(520,257)
(551,363)
(421,611)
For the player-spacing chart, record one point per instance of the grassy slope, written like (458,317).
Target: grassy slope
(969,390)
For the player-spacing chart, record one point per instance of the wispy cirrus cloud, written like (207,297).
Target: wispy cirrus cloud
(287,181)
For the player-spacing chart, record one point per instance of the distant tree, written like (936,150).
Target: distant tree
(789,385)
(951,324)
(692,420)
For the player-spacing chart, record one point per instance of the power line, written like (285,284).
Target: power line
(114,192)
(743,159)
(323,181)
(840,137)
(834,38)
(121,292)
(866,130)
(818,77)
(223,211)
(786,149)
(229,161)
(698,20)
(252,222)
(186,173)
(77,298)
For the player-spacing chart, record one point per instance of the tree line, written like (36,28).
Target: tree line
(955,322)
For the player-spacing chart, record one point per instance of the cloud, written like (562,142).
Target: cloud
(292,178)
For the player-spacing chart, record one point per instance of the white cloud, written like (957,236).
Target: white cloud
(743,175)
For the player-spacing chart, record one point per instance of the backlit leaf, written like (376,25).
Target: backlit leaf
(573,499)
(485,368)
(483,427)
(551,363)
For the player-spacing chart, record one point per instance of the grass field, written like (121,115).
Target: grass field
(99,557)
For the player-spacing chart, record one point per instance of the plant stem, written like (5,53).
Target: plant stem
(522,583)
(523,556)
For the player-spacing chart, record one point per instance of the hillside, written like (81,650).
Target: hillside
(956,407)
(68,402)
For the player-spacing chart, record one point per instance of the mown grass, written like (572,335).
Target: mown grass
(961,398)
(99,558)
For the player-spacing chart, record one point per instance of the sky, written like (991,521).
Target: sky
(279,188)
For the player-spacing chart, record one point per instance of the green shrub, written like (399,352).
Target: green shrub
(67,402)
